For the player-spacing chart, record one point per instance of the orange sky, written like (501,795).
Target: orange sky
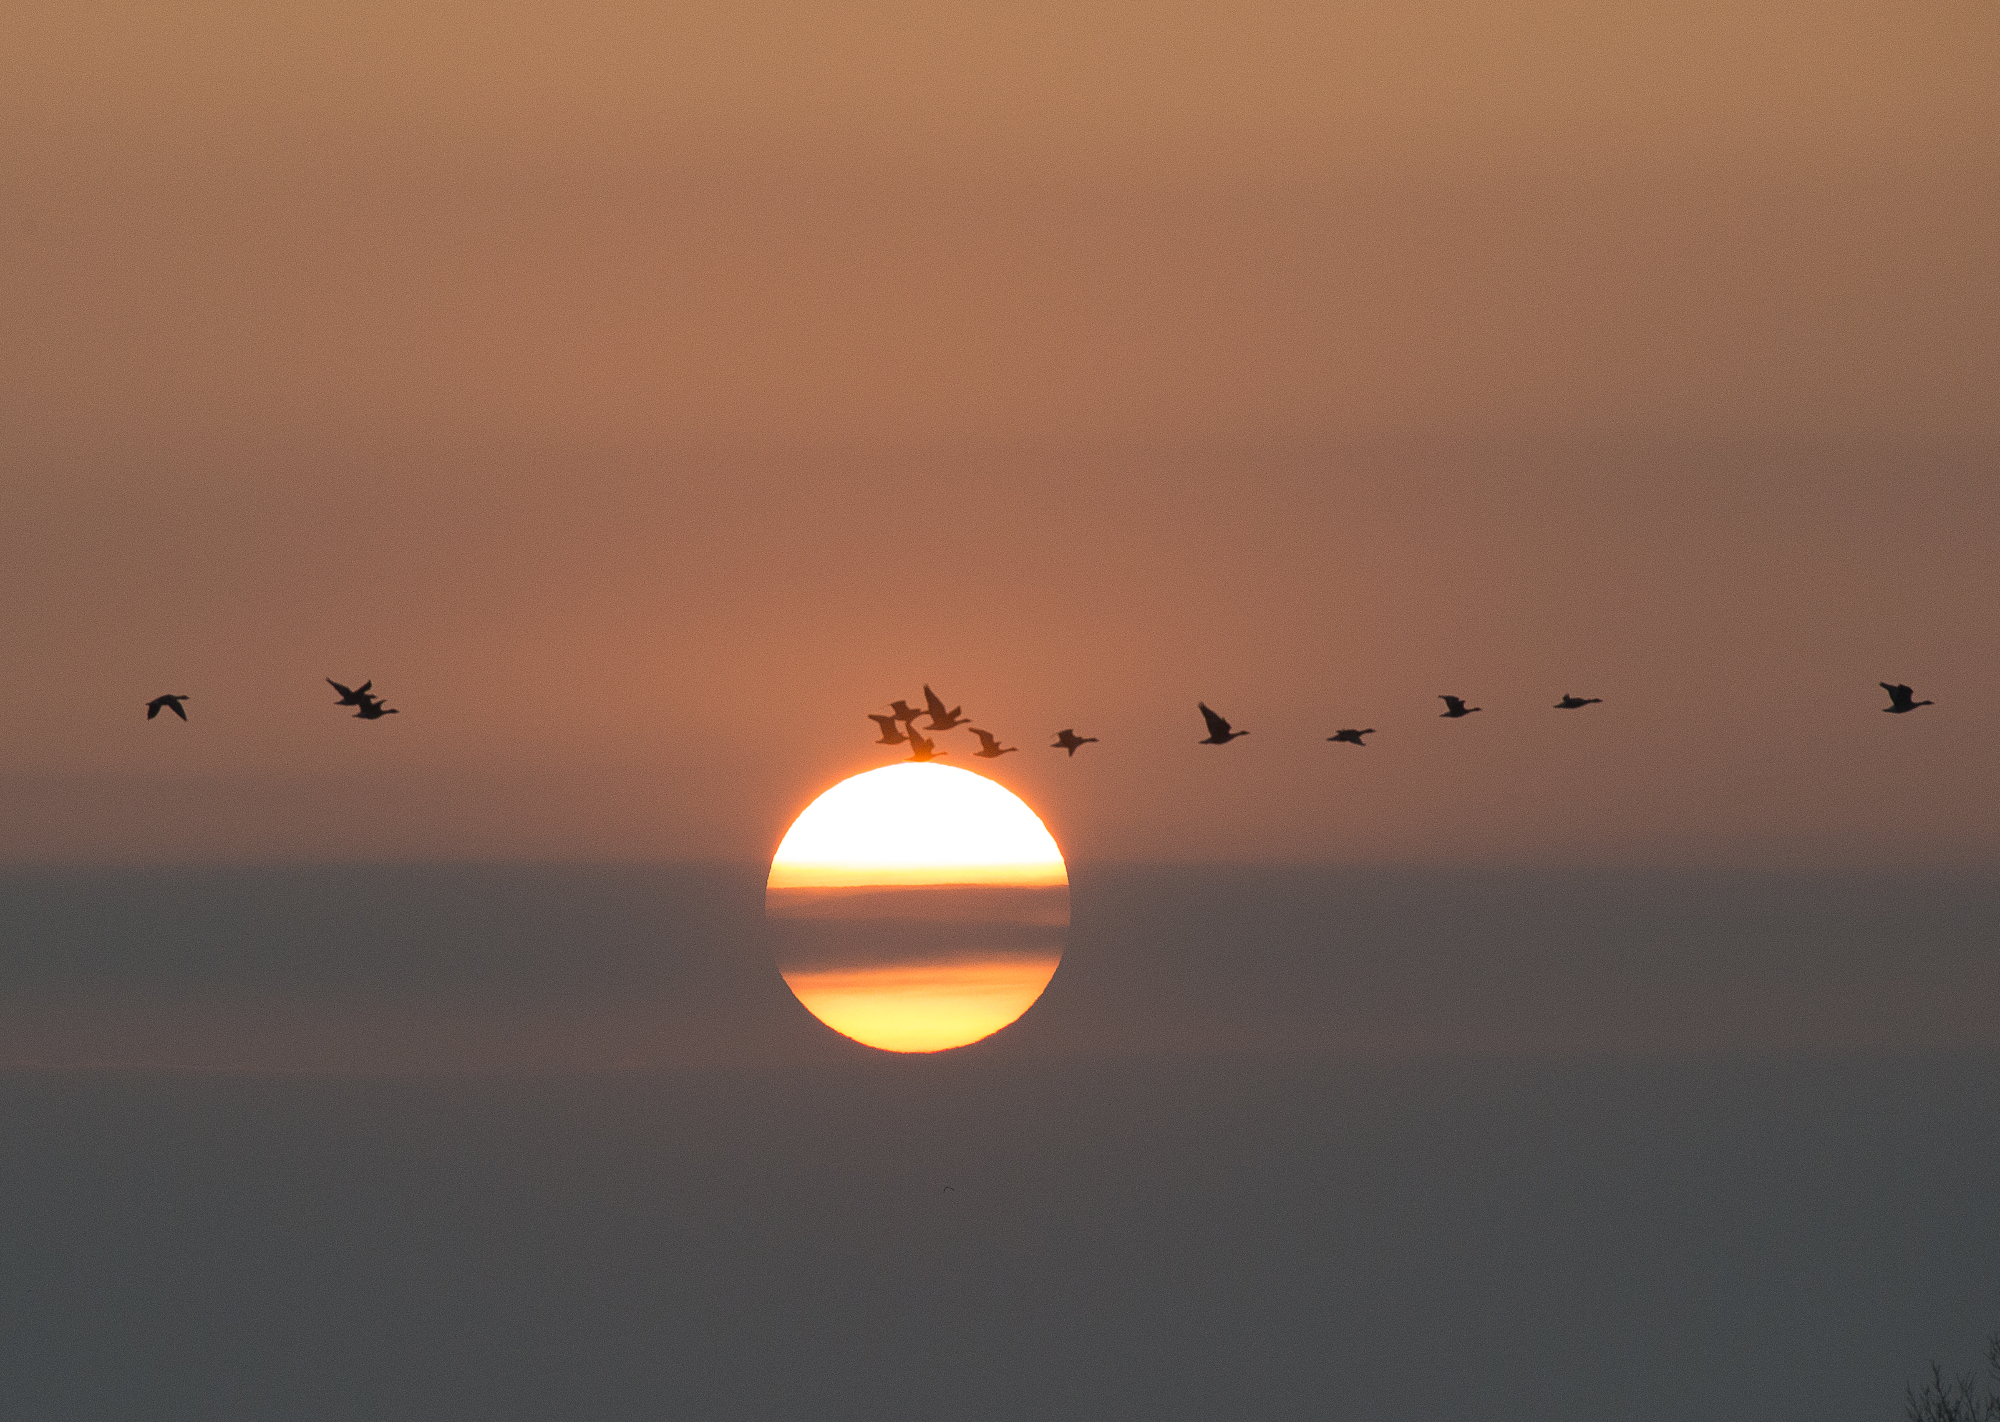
(640,394)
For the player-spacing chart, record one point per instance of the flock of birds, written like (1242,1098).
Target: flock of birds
(370,706)
(899,727)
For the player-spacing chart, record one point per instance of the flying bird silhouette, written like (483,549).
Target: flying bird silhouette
(351,696)
(890,735)
(923,748)
(1351,737)
(902,711)
(1570,703)
(941,719)
(1219,733)
(372,709)
(1455,706)
(1899,699)
(170,703)
(1069,740)
(989,748)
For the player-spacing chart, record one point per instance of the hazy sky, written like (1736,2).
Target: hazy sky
(640,394)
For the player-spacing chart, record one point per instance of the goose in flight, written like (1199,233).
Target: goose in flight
(923,747)
(372,709)
(941,719)
(1570,703)
(989,748)
(1219,733)
(1069,740)
(1454,706)
(1351,737)
(169,703)
(351,696)
(887,725)
(902,711)
(1899,699)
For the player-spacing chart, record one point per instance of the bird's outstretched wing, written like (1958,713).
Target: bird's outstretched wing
(934,707)
(1216,725)
(176,707)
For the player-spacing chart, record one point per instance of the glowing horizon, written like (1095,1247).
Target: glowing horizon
(917,822)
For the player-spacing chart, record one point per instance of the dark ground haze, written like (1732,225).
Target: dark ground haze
(556,1143)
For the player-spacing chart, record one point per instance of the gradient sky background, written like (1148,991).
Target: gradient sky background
(639,394)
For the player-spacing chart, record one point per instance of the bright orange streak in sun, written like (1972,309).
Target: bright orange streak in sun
(924,1007)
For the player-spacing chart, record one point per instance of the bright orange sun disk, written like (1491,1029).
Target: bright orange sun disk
(918,907)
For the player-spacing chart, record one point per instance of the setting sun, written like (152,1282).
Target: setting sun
(917,823)
(918,907)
